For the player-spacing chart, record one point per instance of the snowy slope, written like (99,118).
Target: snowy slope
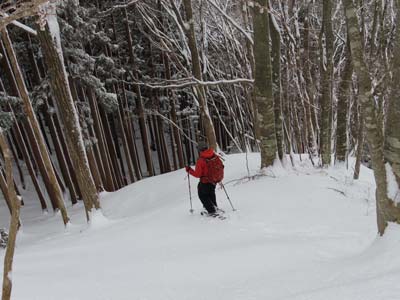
(299,233)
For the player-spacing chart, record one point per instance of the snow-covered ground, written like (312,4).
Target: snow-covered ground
(299,233)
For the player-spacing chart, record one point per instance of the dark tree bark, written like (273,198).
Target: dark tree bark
(54,188)
(14,222)
(101,143)
(326,85)
(343,108)
(276,81)
(139,101)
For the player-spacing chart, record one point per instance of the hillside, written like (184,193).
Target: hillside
(299,233)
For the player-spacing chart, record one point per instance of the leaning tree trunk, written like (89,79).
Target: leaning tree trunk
(196,70)
(326,97)
(61,91)
(33,123)
(14,222)
(386,210)
(263,85)
(392,138)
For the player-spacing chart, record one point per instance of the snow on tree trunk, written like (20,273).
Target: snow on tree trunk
(263,85)
(53,56)
(392,138)
(196,70)
(386,210)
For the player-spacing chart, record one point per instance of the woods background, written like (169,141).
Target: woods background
(96,95)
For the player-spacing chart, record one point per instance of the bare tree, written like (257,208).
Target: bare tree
(60,88)
(326,83)
(386,209)
(263,84)
(55,190)
(392,133)
(14,222)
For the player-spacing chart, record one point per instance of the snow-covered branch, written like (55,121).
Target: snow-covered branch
(156,113)
(26,10)
(119,6)
(19,24)
(232,21)
(193,82)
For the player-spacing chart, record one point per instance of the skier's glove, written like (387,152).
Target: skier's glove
(187,168)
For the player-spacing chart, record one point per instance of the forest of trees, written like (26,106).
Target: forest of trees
(96,95)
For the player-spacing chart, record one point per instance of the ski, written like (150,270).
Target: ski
(215,215)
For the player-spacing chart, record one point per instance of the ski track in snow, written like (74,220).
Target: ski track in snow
(299,233)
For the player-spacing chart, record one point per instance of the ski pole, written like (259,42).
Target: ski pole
(227,196)
(190,195)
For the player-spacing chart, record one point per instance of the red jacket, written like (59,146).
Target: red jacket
(201,170)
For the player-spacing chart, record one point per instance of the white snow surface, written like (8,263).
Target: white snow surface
(392,186)
(299,233)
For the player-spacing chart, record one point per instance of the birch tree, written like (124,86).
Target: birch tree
(263,84)
(392,133)
(386,208)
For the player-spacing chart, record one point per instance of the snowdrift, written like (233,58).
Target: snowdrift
(299,233)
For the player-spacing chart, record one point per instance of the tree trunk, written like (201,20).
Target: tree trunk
(392,138)
(25,154)
(117,158)
(14,222)
(128,158)
(67,112)
(60,155)
(101,143)
(54,188)
(17,163)
(177,146)
(129,128)
(326,85)
(263,85)
(111,148)
(139,101)
(310,88)
(386,210)
(196,71)
(342,109)
(360,145)
(276,81)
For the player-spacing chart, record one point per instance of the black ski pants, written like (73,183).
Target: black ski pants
(206,192)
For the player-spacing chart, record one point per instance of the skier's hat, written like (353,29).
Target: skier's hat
(202,145)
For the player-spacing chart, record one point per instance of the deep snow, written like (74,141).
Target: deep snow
(299,233)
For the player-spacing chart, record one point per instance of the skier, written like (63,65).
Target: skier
(209,169)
